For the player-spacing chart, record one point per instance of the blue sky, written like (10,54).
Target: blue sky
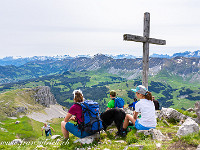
(82,27)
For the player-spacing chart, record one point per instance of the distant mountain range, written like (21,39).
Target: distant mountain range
(171,79)
(187,54)
(18,61)
(127,68)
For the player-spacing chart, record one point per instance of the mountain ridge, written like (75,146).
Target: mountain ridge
(126,68)
(18,61)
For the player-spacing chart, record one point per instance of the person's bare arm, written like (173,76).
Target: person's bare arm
(52,129)
(42,131)
(107,108)
(67,118)
(73,118)
(135,115)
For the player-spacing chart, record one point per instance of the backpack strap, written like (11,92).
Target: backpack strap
(115,102)
(81,124)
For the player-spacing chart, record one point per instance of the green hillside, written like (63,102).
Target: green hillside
(170,90)
(13,100)
(30,130)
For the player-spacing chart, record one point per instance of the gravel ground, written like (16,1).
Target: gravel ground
(55,111)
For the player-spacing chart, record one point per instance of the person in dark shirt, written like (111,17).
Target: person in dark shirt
(156,103)
(133,104)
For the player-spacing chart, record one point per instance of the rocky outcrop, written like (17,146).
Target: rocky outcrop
(170,113)
(156,134)
(88,139)
(55,136)
(189,126)
(197,110)
(20,109)
(16,141)
(44,97)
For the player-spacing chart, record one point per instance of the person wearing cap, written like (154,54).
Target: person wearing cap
(76,111)
(147,109)
(156,103)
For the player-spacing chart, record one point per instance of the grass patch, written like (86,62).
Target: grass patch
(191,139)
(190,114)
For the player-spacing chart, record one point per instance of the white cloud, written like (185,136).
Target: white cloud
(58,27)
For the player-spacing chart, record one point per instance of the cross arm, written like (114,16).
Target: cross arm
(136,38)
(157,41)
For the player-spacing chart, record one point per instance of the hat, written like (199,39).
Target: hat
(140,89)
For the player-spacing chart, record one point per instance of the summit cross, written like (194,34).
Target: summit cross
(146,40)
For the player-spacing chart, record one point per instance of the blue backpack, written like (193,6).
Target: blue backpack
(119,102)
(92,122)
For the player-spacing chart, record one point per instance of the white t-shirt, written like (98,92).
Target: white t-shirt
(46,128)
(147,109)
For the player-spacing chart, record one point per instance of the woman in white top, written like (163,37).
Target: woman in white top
(147,109)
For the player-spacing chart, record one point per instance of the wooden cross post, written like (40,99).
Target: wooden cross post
(146,40)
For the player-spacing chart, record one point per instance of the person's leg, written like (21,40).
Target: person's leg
(70,127)
(46,133)
(64,131)
(138,126)
(50,132)
(126,120)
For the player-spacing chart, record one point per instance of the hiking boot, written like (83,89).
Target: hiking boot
(123,132)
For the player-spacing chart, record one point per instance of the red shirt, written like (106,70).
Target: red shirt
(77,111)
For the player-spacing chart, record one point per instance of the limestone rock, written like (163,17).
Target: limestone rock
(88,139)
(18,110)
(16,141)
(198,148)
(120,141)
(17,122)
(190,109)
(197,110)
(189,126)
(158,145)
(170,113)
(55,136)
(43,96)
(157,113)
(140,147)
(156,134)
(165,122)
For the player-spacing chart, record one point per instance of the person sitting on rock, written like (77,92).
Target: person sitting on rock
(133,104)
(111,103)
(147,109)
(47,129)
(75,110)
